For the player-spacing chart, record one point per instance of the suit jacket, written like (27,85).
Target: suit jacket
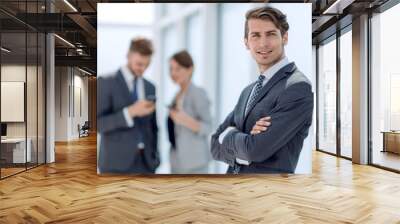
(288,99)
(118,142)
(192,149)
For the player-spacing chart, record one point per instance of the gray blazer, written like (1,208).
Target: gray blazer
(192,149)
(288,99)
(118,143)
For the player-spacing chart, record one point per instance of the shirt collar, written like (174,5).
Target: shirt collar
(275,68)
(128,75)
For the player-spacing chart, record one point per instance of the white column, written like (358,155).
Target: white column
(210,39)
(360,90)
(50,99)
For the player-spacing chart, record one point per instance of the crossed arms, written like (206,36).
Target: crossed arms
(293,109)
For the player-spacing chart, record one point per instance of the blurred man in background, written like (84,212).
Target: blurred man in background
(126,116)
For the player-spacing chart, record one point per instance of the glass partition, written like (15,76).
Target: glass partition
(22,88)
(346,94)
(14,154)
(327,97)
(385,89)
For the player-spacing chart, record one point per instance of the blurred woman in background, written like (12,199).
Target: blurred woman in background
(189,121)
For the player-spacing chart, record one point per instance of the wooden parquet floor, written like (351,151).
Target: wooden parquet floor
(70,191)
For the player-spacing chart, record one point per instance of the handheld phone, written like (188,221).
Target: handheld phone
(172,106)
(151,98)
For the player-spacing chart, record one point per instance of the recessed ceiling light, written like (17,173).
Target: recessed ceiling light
(84,71)
(338,6)
(64,40)
(70,5)
(5,50)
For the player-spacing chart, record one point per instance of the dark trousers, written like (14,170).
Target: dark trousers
(138,166)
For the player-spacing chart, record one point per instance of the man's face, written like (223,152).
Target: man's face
(265,42)
(138,63)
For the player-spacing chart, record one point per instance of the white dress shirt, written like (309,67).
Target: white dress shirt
(129,77)
(268,75)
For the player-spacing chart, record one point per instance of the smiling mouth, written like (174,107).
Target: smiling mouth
(264,53)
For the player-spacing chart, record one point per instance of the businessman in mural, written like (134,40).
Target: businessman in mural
(265,131)
(126,116)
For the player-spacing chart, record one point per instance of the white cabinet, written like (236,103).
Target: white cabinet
(18,149)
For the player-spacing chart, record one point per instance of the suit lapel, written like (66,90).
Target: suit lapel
(146,88)
(282,73)
(242,105)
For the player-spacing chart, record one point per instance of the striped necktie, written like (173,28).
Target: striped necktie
(256,92)
(134,90)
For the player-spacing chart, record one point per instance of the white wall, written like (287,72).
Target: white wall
(61,103)
(117,24)
(80,100)
(12,101)
(67,81)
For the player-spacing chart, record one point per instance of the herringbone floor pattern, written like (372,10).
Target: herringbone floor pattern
(70,191)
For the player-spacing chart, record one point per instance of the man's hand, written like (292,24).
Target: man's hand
(261,125)
(141,108)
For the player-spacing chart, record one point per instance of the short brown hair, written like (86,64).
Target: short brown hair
(142,46)
(183,58)
(267,13)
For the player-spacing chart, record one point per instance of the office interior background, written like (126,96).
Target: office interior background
(47,92)
(214,35)
(48,85)
(75,53)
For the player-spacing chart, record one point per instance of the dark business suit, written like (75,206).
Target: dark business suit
(288,99)
(118,142)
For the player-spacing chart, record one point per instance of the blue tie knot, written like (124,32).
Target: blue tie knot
(261,78)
